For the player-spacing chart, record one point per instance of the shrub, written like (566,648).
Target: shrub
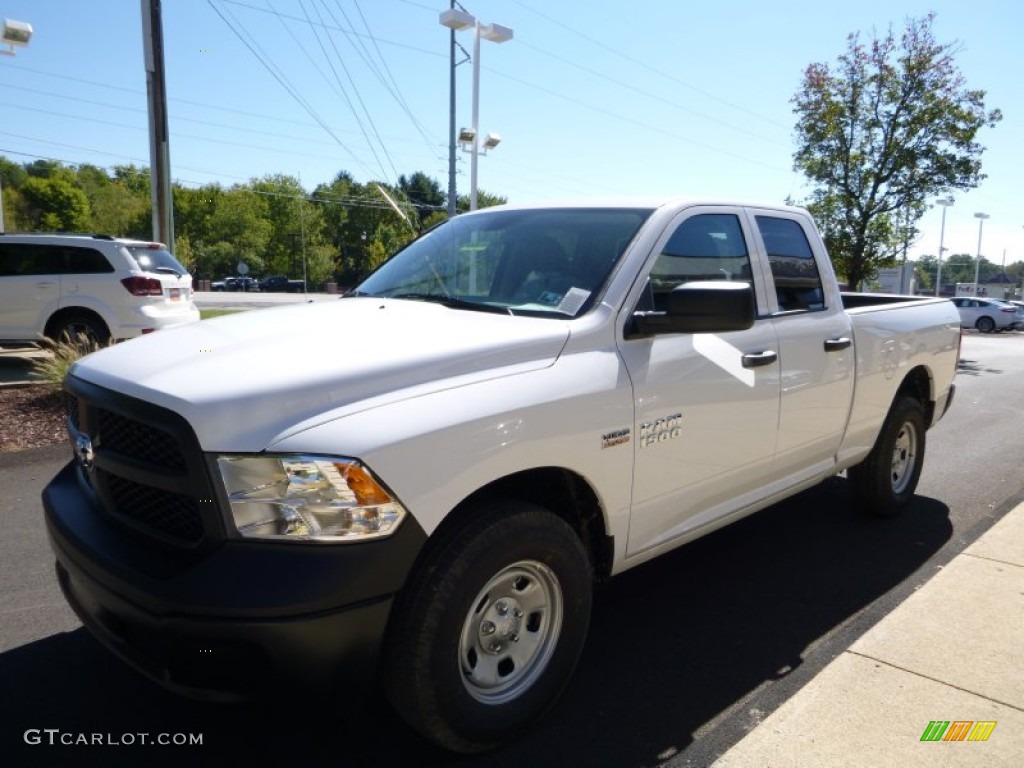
(52,369)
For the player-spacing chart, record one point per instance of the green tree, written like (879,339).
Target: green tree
(483,200)
(891,125)
(55,203)
(424,193)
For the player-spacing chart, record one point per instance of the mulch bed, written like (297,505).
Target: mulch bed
(30,417)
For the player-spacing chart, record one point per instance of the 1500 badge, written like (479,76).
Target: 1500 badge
(660,430)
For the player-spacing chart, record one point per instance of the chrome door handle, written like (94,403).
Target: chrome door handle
(834,345)
(757,359)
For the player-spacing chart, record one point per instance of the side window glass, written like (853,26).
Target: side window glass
(29,259)
(8,260)
(86,261)
(797,282)
(708,246)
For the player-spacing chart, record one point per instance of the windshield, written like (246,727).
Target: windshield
(155,260)
(548,262)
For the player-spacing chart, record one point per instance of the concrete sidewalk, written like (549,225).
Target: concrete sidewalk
(16,364)
(954,651)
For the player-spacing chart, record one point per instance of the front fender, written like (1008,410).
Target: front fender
(435,450)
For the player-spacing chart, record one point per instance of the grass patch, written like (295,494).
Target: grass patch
(206,314)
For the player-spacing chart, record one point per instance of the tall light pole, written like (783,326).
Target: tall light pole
(455,20)
(15,33)
(977,265)
(451,120)
(945,202)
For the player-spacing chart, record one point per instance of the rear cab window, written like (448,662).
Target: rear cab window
(794,271)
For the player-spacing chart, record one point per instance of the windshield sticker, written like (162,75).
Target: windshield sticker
(573,300)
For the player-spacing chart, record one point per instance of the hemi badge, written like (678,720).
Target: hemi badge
(618,437)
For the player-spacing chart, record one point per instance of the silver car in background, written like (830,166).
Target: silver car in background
(988,315)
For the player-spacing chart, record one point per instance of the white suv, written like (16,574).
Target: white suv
(92,286)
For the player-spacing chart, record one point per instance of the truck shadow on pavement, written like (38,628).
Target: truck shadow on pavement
(973,368)
(672,644)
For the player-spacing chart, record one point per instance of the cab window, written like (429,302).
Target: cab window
(794,270)
(708,246)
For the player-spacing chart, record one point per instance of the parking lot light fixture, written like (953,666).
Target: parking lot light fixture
(945,202)
(977,265)
(456,20)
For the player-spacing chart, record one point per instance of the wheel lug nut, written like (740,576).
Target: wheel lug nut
(501,607)
(514,637)
(518,613)
(495,647)
(487,628)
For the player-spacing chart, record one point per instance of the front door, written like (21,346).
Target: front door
(706,405)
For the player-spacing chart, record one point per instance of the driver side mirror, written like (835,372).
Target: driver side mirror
(712,306)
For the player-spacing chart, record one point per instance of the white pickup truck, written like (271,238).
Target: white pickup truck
(420,483)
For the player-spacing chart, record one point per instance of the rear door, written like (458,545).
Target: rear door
(30,285)
(705,424)
(89,281)
(815,341)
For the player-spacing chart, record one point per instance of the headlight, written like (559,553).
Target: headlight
(320,498)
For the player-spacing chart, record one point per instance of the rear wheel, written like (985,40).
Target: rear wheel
(79,328)
(985,324)
(884,483)
(491,627)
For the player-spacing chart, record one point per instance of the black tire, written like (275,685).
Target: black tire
(985,324)
(884,483)
(82,328)
(490,627)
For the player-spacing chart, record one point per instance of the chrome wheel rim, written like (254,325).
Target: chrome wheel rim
(904,457)
(510,632)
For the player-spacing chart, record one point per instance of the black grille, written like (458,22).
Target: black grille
(148,471)
(172,514)
(138,440)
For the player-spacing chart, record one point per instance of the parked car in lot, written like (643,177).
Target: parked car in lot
(89,286)
(988,315)
(281,284)
(235,284)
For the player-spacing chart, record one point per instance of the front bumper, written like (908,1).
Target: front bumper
(234,621)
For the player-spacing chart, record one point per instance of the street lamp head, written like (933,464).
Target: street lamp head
(467,135)
(456,19)
(944,201)
(15,33)
(491,140)
(495,33)
(982,216)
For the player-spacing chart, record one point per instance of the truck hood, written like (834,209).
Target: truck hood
(244,381)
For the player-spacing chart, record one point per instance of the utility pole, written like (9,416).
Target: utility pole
(159,135)
(451,122)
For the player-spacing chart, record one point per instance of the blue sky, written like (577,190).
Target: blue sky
(590,98)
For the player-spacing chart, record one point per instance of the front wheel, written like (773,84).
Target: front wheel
(490,628)
(884,483)
(985,324)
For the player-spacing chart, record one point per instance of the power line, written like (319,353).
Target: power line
(282,81)
(647,94)
(351,106)
(648,67)
(397,92)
